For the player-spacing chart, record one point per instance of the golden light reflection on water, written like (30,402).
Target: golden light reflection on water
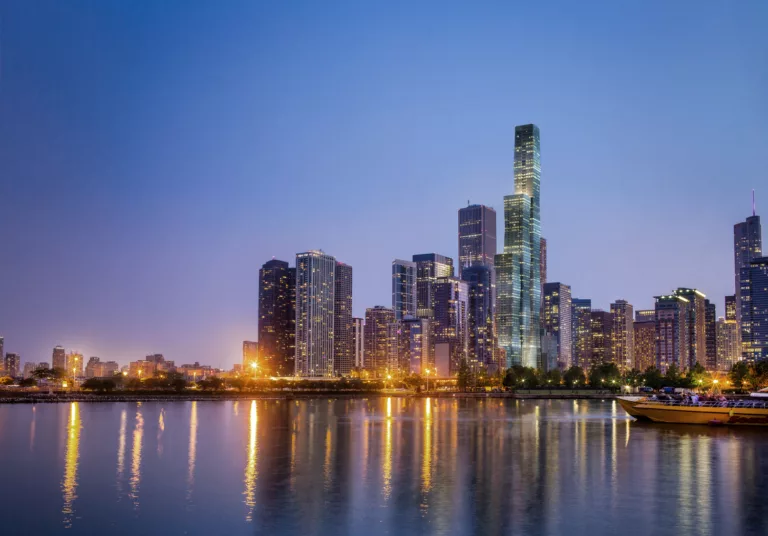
(250,467)
(32,429)
(192,450)
(69,482)
(121,451)
(327,459)
(138,438)
(386,466)
(426,455)
(160,430)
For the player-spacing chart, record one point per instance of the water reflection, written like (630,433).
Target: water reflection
(138,437)
(32,429)
(192,450)
(160,431)
(250,467)
(71,457)
(121,451)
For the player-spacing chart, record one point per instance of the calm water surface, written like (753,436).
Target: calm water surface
(376,466)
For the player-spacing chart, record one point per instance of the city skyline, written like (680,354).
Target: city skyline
(122,274)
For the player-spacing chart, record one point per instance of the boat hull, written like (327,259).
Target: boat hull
(629,403)
(702,414)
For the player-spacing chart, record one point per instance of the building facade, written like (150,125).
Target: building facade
(477,236)
(358,342)
(429,267)
(728,344)
(518,268)
(581,332)
(376,339)
(250,357)
(754,307)
(672,332)
(557,320)
(747,246)
(344,349)
(277,317)
(697,326)
(645,315)
(602,338)
(11,365)
(403,288)
(315,313)
(710,325)
(623,342)
(644,335)
(480,316)
(451,324)
(59,359)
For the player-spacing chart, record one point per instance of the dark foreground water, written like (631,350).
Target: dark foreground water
(376,466)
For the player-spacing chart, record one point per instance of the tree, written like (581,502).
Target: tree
(738,374)
(216,383)
(672,378)
(28,382)
(509,378)
(98,384)
(574,377)
(6,380)
(633,377)
(652,378)
(464,377)
(553,378)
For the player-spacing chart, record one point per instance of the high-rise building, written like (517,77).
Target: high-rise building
(754,308)
(358,342)
(557,320)
(29,369)
(75,364)
(672,332)
(644,334)
(277,318)
(315,313)
(417,346)
(450,316)
(710,328)
(344,351)
(376,342)
(518,268)
(697,326)
(251,357)
(747,246)
(730,308)
(403,288)
(482,333)
(477,236)
(623,341)
(93,361)
(2,342)
(11,365)
(59,360)
(429,267)
(645,315)
(602,337)
(543,261)
(581,332)
(728,344)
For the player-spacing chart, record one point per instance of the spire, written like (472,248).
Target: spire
(753,201)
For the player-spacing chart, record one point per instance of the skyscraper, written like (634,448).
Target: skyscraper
(277,317)
(11,365)
(59,360)
(403,288)
(556,320)
(581,332)
(672,332)
(358,341)
(477,236)
(429,266)
(75,364)
(754,307)
(543,261)
(728,347)
(747,246)
(623,334)
(344,351)
(251,357)
(730,308)
(602,337)
(482,334)
(710,326)
(376,342)
(451,297)
(315,286)
(645,315)
(697,326)
(417,345)
(644,335)
(518,268)
(2,342)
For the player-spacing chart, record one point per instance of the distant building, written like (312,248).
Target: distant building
(75,364)
(343,344)
(644,334)
(581,332)
(250,356)
(429,267)
(59,360)
(672,332)
(557,320)
(728,347)
(480,317)
(543,261)
(697,326)
(730,308)
(602,337)
(418,346)
(747,246)
(754,308)
(376,341)
(29,369)
(315,317)
(549,352)
(277,317)
(477,236)
(451,307)
(142,369)
(710,328)
(623,342)
(2,342)
(11,365)
(358,342)
(645,315)
(403,288)
(92,362)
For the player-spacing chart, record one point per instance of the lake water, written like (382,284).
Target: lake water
(374,466)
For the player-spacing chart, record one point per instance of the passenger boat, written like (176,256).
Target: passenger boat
(744,411)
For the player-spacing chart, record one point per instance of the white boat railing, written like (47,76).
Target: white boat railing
(748,404)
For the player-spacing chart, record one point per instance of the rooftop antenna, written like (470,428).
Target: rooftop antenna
(753,201)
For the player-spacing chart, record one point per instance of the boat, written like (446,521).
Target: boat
(731,412)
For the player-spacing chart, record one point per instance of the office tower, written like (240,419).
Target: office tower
(747,246)
(710,329)
(728,344)
(277,318)
(376,342)
(315,286)
(403,288)
(358,342)
(74,364)
(417,346)
(602,337)
(581,332)
(59,360)
(90,367)
(730,308)
(2,342)
(518,268)
(754,308)
(644,335)
(623,339)
(697,326)
(29,369)
(155,358)
(11,364)
(101,369)
(429,266)
(251,358)
(482,334)
(549,352)
(451,297)
(344,351)
(672,332)
(477,236)
(557,321)
(645,315)
(543,261)
(396,349)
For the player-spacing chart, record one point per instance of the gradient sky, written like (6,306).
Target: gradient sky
(154,154)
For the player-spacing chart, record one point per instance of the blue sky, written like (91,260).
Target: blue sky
(154,154)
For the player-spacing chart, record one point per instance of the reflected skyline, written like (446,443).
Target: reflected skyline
(138,437)
(69,482)
(250,466)
(192,450)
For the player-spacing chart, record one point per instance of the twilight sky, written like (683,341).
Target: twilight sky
(154,154)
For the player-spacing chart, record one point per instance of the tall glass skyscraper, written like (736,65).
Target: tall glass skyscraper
(343,344)
(754,318)
(482,336)
(518,268)
(623,343)
(557,321)
(403,288)
(315,306)
(477,236)
(747,246)
(581,332)
(277,318)
(429,266)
